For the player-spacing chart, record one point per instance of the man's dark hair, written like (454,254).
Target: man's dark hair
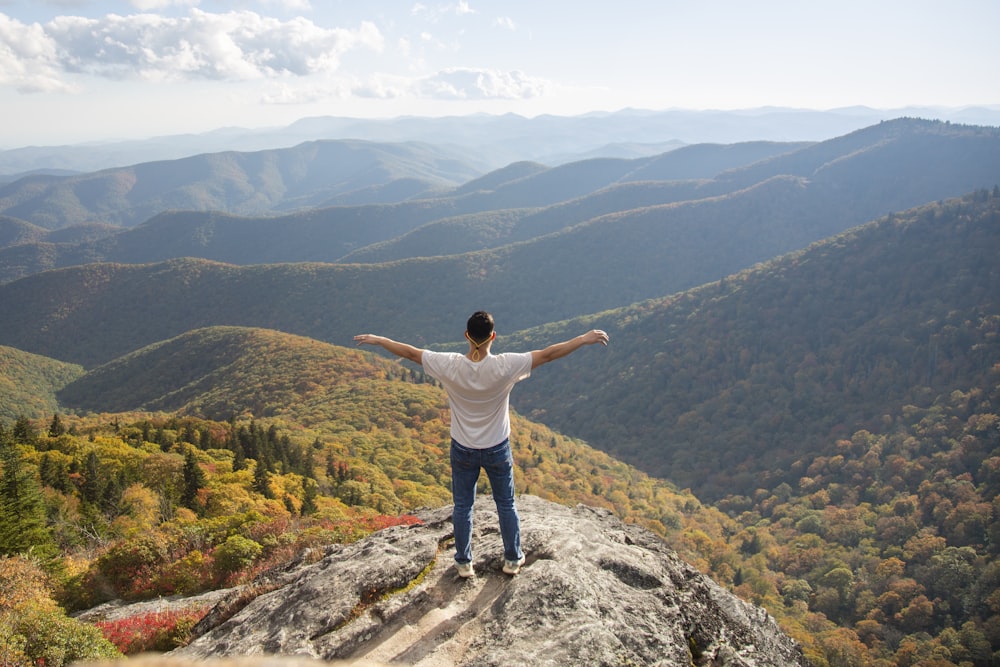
(480,326)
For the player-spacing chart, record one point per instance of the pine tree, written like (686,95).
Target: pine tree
(239,458)
(262,480)
(309,492)
(194,481)
(24,432)
(93,484)
(56,428)
(22,510)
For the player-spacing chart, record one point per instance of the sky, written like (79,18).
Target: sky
(76,71)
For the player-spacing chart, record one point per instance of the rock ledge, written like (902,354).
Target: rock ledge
(593,591)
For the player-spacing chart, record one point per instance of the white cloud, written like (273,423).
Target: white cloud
(434,14)
(289,5)
(381,88)
(153,5)
(481,84)
(447,85)
(505,22)
(231,46)
(28,58)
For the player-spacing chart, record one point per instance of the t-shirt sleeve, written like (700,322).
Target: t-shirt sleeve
(521,366)
(431,361)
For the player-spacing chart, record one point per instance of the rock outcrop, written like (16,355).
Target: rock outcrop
(594,591)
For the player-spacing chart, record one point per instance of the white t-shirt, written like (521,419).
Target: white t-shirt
(478,393)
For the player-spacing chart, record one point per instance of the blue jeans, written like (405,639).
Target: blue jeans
(499,466)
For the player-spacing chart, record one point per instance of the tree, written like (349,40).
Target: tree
(22,510)
(310,490)
(56,428)
(262,480)
(24,432)
(194,481)
(93,483)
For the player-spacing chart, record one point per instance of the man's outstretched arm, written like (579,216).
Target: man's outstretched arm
(553,352)
(399,349)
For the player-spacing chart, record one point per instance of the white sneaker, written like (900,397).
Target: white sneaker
(465,570)
(513,566)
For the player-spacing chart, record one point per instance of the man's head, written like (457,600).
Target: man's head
(480,326)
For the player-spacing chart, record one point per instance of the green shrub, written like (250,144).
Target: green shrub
(39,633)
(235,554)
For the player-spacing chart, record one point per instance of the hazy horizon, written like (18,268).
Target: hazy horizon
(97,70)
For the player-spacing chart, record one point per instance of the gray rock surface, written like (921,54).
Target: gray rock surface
(594,591)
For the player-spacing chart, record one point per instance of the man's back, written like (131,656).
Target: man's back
(478,392)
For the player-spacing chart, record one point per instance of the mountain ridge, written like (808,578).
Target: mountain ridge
(241,183)
(850,180)
(501,139)
(866,518)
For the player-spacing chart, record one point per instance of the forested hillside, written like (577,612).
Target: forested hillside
(259,182)
(604,263)
(831,388)
(846,181)
(316,445)
(28,383)
(724,388)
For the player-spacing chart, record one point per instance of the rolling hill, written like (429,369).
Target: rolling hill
(261,182)
(847,181)
(613,260)
(838,402)
(727,387)
(331,233)
(28,383)
(791,354)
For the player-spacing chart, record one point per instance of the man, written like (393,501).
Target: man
(478,384)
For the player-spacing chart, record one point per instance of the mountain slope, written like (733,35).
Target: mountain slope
(240,183)
(920,149)
(724,388)
(381,417)
(28,384)
(719,389)
(216,372)
(342,223)
(851,180)
(16,232)
(612,260)
(493,229)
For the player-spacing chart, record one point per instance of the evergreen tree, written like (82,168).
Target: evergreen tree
(239,457)
(24,432)
(309,466)
(56,428)
(22,510)
(93,484)
(111,495)
(309,492)
(194,481)
(262,480)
